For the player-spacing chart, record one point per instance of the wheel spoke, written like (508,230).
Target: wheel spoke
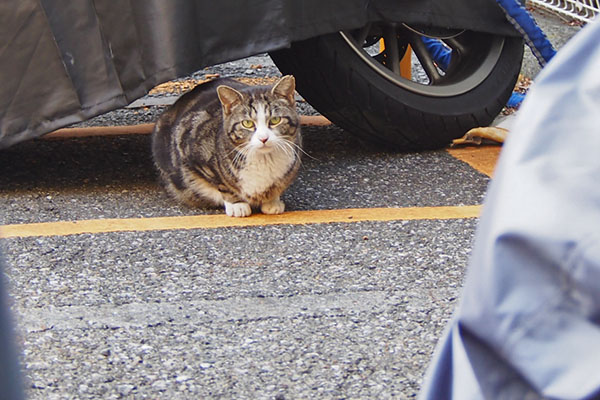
(424,58)
(474,55)
(390,40)
(362,35)
(455,45)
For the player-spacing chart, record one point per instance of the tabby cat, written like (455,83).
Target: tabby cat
(229,144)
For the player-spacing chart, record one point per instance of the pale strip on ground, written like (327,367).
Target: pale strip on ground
(146,129)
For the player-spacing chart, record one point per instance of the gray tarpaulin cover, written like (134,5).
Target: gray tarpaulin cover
(64,61)
(528,323)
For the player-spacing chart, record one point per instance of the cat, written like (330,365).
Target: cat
(229,144)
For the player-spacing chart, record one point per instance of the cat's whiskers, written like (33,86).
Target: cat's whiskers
(297,148)
(237,149)
(241,153)
(285,147)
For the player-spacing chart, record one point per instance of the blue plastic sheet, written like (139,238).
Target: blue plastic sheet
(528,322)
(534,37)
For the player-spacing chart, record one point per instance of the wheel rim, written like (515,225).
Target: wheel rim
(473,57)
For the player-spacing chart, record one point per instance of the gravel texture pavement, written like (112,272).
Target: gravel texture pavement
(326,310)
(332,311)
(113,177)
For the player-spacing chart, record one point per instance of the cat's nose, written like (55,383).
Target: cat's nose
(264,139)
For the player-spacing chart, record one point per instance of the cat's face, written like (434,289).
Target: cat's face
(259,121)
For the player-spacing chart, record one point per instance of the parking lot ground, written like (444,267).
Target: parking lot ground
(342,296)
(117,292)
(481,158)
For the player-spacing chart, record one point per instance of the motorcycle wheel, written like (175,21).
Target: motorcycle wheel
(358,85)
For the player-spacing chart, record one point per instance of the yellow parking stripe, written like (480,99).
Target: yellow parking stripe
(64,228)
(483,158)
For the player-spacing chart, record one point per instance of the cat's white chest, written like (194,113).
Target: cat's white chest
(261,172)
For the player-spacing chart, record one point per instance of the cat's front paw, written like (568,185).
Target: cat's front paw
(239,209)
(273,207)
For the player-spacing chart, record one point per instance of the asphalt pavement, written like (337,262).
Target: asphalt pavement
(344,310)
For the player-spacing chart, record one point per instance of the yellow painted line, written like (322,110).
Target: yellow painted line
(64,228)
(483,158)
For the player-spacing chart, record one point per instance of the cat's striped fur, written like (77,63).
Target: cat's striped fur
(229,144)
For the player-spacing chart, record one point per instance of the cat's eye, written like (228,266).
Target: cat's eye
(248,124)
(274,121)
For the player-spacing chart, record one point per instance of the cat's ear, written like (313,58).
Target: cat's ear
(285,88)
(229,97)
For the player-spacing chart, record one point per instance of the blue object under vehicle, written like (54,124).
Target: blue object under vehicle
(523,22)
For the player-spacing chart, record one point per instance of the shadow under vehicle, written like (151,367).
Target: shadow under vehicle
(63,62)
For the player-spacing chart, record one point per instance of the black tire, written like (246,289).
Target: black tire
(359,93)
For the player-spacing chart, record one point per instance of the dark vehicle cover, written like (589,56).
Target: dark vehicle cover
(64,61)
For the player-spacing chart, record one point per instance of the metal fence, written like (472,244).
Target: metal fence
(583,10)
